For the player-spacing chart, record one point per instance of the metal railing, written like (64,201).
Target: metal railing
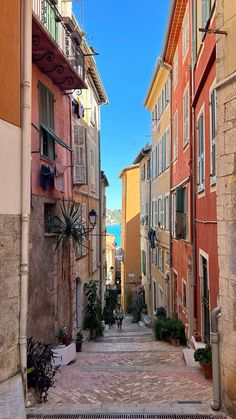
(50,17)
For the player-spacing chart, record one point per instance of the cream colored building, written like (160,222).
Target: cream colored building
(226,197)
(130,235)
(144,160)
(157,101)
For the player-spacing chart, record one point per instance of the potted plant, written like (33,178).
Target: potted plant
(63,337)
(79,340)
(204,357)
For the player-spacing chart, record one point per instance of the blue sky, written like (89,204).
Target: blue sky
(128,34)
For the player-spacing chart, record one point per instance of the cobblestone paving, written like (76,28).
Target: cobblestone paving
(129,367)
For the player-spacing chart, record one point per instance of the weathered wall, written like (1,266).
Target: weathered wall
(10,294)
(226,198)
(48,292)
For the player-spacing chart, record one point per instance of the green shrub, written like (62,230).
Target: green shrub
(166,329)
(160,313)
(203,355)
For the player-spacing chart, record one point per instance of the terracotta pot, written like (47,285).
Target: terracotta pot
(207,368)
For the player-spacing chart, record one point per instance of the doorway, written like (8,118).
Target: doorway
(78,303)
(205,301)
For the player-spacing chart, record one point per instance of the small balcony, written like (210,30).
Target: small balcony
(55,50)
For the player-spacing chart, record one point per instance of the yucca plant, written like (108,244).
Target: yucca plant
(70,233)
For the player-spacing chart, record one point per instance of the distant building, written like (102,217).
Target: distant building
(130,234)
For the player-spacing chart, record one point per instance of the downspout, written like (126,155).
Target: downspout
(25,182)
(193,202)
(215,404)
(100,216)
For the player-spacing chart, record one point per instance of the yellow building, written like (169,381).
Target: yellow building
(110,258)
(130,234)
(157,101)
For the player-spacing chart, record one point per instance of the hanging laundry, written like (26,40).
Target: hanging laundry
(59,180)
(46,176)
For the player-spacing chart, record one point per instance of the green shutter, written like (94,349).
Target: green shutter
(180,196)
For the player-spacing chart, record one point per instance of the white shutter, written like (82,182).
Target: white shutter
(156,213)
(167,148)
(167,213)
(79,155)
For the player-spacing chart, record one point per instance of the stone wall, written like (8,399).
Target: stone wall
(48,291)
(226,200)
(10,294)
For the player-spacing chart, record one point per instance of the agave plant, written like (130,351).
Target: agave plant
(70,233)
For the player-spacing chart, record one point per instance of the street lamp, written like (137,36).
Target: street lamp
(92,217)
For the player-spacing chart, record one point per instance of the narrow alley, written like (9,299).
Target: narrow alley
(128,371)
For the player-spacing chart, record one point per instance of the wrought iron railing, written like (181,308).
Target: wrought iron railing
(50,17)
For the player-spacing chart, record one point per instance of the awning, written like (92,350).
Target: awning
(55,137)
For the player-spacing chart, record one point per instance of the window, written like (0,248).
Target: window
(146,213)
(184,294)
(167,94)
(173,212)
(143,262)
(185,35)
(46,121)
(175,154)
(181,228)
(153,213)
(160,260)
(167,148)
(142,170)
(149,169)
(166,212)
(81,248)
(167,258)
(175,67)
(92,167)
(160,297)
(156,213)
(185,118)
(213,137)
(200,127)
(206,10)
(79,155)
(156,161)
(154,295)
(49,213)
(163,147)
(159,145)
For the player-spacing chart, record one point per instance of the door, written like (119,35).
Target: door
(206,307)
(78,304)
(175,285)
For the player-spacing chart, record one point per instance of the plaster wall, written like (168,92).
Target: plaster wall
(226,198)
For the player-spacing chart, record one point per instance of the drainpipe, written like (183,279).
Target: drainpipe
(215,404)
(100,217)
(25,181)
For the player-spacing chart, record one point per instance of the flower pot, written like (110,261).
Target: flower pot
(207,368)
(78,346)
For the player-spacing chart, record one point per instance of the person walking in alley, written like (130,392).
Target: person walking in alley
(119,316)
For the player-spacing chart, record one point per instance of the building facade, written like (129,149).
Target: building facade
(204,182)
(226,181)
(15,118)
(144,160)
(158,102)
(67,93)
(177,53)
(130,235)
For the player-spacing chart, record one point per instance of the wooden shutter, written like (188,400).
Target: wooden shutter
(167,148)
(185,117)
(79,156)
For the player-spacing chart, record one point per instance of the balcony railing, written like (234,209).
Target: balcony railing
(50,18)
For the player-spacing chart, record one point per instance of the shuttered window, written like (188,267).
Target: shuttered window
(79,155)
(46,119)
(200,127)
(167,148)
(175,69)
(175,151)
(156,213)
(206,9)
(185,29)
(92,167)
(163,152)
(213,137)
(185,118)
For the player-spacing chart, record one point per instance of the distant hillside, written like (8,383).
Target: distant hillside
(113,216)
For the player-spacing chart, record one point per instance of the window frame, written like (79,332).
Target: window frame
(201,151)
(175,142)
(186,117)
(176,67)
(185,34)
(212,140)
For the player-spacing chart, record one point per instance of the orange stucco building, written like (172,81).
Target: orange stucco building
(130,234)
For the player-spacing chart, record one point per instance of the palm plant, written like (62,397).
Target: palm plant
(71,231)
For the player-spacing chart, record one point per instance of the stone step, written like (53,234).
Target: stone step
(189,358)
